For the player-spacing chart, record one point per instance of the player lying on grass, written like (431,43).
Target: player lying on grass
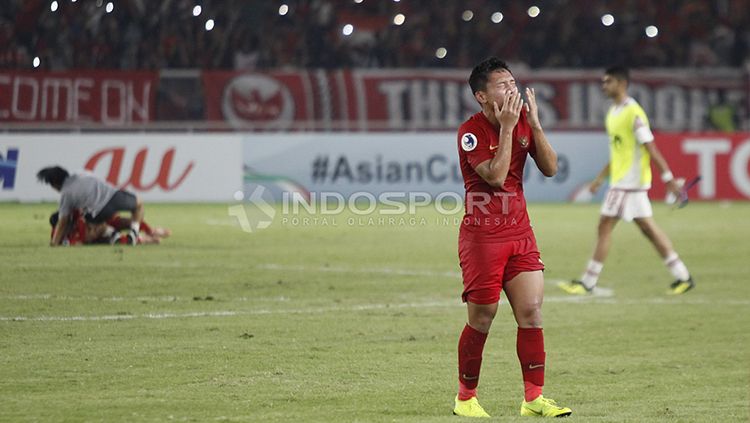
(80,232)
(98,200)
(631,148)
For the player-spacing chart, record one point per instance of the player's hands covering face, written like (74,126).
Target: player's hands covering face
(531,109)
(508,115)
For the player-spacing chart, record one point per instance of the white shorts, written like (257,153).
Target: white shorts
(626,204)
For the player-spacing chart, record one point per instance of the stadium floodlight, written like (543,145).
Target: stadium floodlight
(652,31)
(441,52)
(73,1)
(534,11)
(358,1)
(53,6)
(197,10)
(110,7)
(209,24)
(36,62)
(467,15)
(347,29)
(399,19)
(497,17)
(608,19)
(283,9)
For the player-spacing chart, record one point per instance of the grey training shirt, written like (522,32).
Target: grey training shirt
(84,191)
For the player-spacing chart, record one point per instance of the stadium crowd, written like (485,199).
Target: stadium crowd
(251,34)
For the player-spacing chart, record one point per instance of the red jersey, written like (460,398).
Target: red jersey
(494,214)
(76,229)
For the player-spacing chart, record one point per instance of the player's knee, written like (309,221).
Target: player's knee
(481,321)
(481,324)
(530,314)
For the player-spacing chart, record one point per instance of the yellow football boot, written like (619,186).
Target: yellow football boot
(469,408)
(544,407)
(574,287)
(680,287)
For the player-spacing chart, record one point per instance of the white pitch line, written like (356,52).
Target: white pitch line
(669,301)
(169,299)
(164,299)
(272,266)
(318,310)
(379,270)
(367,307)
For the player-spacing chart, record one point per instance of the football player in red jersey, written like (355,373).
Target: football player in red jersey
(497,247)
(81,232)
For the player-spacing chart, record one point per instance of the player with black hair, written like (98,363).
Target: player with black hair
(98,200)
(497,248)
(631,149)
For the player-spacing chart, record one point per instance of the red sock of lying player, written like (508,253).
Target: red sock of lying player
(145,228)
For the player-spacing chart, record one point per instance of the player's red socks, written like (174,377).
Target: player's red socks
(470,347)
(146,228)
(530,349)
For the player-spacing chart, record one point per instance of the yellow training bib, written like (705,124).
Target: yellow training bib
(629,161)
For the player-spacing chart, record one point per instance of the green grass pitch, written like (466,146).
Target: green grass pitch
(359,323)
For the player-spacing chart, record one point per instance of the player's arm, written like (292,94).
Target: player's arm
(60,229)
(545,156)
(645,137)
(495,170)
(65,210)
(599,180)
(661,164)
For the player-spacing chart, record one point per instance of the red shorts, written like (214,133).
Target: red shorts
(486,266)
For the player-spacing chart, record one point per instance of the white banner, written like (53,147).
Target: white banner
(175,167)
(402,162)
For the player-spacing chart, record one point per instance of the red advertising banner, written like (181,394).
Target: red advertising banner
(722,160)
(251,100)
(382,99)
(361,99)
(110,98)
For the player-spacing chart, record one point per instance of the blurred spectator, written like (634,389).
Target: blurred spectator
(722,115)
(257,34)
